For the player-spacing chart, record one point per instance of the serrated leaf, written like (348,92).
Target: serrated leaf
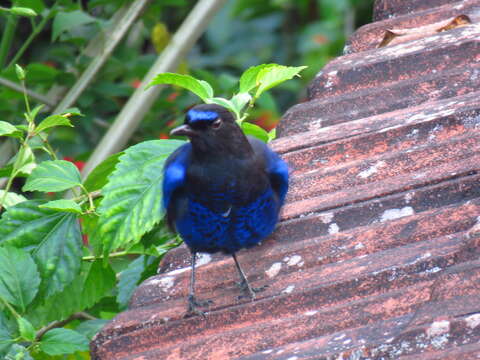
(254,130)
(240,100)
(5,338)
(248,80)
(63,205)
(225,103)
(98,178)
(36,109)
(11,199)
(7,129)
(128,280)
(52,176)
(275,75)
(52,121)
(53,238)
(92,284)
(19,278)
(27,331)
(63,341)
(25,156)
(272,134)
(66,21)
(131,205)
(199,87)
(90,328)
(18,352)
(74,111)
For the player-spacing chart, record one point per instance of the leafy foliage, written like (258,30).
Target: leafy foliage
(80,255)
(19,278)
(132,199)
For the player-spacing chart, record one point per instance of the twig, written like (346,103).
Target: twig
(32,94)
(7,38)
(36,29)
(57,324)
(125,20)
(141,101)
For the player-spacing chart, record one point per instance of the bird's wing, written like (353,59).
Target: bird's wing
(175,172)
(277,169)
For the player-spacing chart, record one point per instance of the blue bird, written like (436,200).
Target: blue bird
(222,191)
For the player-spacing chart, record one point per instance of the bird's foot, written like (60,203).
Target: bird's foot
(249,290)
(194,304)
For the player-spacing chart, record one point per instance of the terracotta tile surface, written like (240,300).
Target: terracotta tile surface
(377,253)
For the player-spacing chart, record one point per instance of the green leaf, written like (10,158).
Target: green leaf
(272,134)
(34,112)
(254,130)
(132,198)
(90,328)
(27,331)
(199,87)
(63,205)
(19,278)
(63,341)
(92,284)
(22,11)
(54,175)
(72,112)
(66,21)
(225,103)
(24,157)
(275,75)
(20,72)
(5,338)
(128,280)
(98,178)
(53,238)
(52,121)
(7,129)
(18,352)
(11,199)
(240,100)
(248,80)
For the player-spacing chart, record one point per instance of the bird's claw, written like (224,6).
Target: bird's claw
(249,290)
(193,305)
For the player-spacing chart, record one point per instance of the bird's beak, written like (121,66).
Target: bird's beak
(183,130)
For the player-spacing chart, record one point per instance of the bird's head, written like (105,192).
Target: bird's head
(211,127)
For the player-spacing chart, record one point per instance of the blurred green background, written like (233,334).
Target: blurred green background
(242,34)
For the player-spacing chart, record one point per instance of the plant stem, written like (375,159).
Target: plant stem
(7,38)
(57,324)
(7,188)
(10,307)
(112,255)
(27,104)
(36,30)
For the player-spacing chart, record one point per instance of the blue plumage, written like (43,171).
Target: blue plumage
(222,191)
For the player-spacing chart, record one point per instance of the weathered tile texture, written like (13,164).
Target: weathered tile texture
(377,254)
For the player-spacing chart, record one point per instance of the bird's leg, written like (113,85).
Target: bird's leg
(244,284)
(192,300)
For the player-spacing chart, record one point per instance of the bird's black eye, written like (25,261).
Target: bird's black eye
(217,123)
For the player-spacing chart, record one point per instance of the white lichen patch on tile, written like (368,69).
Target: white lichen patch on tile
(294,260)
(288,289)
(326,218)
(333,229)
(392,214)
(165,283)
(274,270)
(371,170)
(473,321)
(203,259)
(438,328)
